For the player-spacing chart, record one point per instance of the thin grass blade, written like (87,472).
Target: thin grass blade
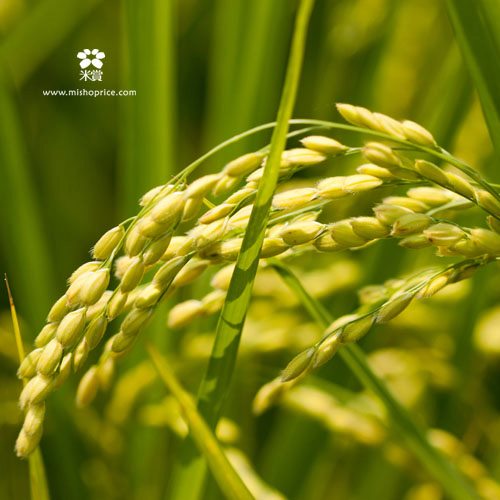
(474,24)
(233,314)
(38,481)
(227,478)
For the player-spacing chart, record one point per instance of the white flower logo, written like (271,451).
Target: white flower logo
(91,57)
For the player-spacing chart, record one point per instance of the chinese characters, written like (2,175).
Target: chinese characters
(91,58)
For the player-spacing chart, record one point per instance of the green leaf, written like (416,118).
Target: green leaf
(235,308)
(476,29)
(215,384)
(431,459)
(227,478)
(38,480)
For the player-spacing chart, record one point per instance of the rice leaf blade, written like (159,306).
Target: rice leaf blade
(233,314)
(38,481)
(474,24)
(228,479)
(215,384)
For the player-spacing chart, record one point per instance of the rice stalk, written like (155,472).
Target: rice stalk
(437,466)
(395,299)
(79,319)
(286,226)
(438,153)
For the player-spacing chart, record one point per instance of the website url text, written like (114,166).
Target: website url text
(89,93)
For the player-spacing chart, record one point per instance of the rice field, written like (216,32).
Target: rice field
(250,250)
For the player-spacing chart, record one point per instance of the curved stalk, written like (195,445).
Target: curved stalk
(456,486)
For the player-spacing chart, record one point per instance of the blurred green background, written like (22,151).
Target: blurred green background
(204,70)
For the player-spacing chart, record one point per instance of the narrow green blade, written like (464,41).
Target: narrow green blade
(228,479)
(215,385)
(38,481)
(475,24)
